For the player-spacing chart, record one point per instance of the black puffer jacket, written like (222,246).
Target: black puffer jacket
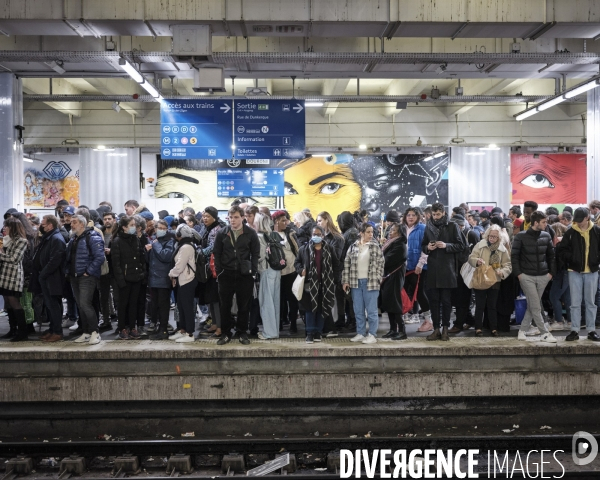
(571,250)
(305,233)
(532,254)
(127,258)
(242,258)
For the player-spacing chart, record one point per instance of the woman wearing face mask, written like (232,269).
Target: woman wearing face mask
(490,251)
(160,255)
(183,277)
(363,271)
(127,257)
(319,264)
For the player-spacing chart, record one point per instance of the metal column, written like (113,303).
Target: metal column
(593,145)
(11,150)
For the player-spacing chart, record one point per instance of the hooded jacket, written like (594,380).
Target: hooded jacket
(160,260)
(532,253)
(239,255)
(580,251)
(88,252)
(127,258)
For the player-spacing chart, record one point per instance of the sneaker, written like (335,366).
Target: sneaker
(177,335)
(389,334)
(74,327)
(185,339)
(593,336)
(243,338)
(160,336)
(124,335)
(521,335)
(571,337)
(426,326)
(261,336)
(332,334)
(556,326)
(414,318)
(83,339)
(170,329)
(151,328)
(369,339)
(548,338)
(142,331)
(310,338)
(3,313)
(105,327)
(94,338)
(224,339)
(134,334)
(533,331)
(65,323)
(357,338)
(317,337)
(173,306)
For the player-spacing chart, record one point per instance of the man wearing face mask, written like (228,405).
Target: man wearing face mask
(85,256)
(47,274)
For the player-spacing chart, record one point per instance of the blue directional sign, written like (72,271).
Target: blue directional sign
(269,129)
(195,129)
(250,182)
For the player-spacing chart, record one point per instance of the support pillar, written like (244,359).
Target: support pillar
(593,145)
(112,175)
(11,150)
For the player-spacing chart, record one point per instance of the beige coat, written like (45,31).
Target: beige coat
(185,264)
(482,250)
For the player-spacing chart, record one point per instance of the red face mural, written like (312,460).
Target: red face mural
(553,178)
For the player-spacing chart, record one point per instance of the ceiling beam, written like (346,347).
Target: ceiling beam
(333,87)
(40,86)
(403,87)
(121,86)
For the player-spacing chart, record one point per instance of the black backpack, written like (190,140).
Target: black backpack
(275,251)
(202,267)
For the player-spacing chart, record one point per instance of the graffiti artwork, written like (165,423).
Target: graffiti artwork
(46,187)
(333,183)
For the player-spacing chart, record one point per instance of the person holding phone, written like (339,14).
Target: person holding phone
(363,271)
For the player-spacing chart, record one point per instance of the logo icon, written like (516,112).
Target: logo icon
(57,170)
(175,129)
(276,152)
(175,140)
(264,129)
(263,106)
(166,140)
(193,129)
(584,444)
(241,129)
(193,140)
(287,141)
(285,107)
(234,163)
(184,140)
(184,129)
(166,129)
(166,152)
(212,152)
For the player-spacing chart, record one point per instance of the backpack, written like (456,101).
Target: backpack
(275,251)
(202,266)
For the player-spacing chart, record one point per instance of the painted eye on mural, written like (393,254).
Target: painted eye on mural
(288,189)
(186,199)
(330,188)
(537,180)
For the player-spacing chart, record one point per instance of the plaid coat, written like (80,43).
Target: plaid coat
(376,263)
(11,265)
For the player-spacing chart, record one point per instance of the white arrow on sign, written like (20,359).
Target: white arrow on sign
(298,108)
(226,108)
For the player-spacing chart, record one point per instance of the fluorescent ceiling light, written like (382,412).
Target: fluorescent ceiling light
(233,147)
(151,90)
(133,73)
(426,159)
(475,153)
(25,159)
(527,114)
(550,103)
(362,146)
(581,89)
(440,154)
(102,148)
(491,146)
(313,104)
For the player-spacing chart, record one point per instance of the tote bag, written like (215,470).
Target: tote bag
(466,272)
(484,277)
(298,287)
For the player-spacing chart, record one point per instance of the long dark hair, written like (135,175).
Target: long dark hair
(27,228)
(15,228)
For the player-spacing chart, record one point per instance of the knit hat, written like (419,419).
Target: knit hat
(458,219)
(163,214)
(279,213)
(184,231)
(9,212)
(392,216)
(146,215)
(212,211)
(169,219)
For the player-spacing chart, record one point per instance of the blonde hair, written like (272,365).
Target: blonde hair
(301,218)
(559,229)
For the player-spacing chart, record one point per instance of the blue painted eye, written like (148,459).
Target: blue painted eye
(537,180)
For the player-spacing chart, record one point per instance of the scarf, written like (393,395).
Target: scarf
(389,242)
(325,303)
(495,255)
(435,225)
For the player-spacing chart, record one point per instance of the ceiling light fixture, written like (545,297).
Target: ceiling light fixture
(313,104)
(362,146)
(583,88)
(491,146)
(139,78)
(475,154)
(29,160)
(116,107)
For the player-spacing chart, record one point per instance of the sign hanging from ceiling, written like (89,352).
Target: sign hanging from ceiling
(269,129)
(195,129)
(250,182)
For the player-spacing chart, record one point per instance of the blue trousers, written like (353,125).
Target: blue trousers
(365,300)
(583,286)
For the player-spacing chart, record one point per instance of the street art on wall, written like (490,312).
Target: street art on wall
(333,183)
(56,181)
(549,178)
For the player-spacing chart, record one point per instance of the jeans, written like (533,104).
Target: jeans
(364,299)
(440,297)
(288,297)
(533,288)
(127,306)
(560,288)
(233,282)
(53,304)
(314,322)
(461,299)
(160,313)
(83,291)
(105,297)
(486,298)
(269,296)
(185,305)
(583,286)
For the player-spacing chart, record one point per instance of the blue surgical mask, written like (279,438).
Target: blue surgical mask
(161,233)
(316,239)
(131,230)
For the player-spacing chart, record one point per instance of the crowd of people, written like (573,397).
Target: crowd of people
(274,269)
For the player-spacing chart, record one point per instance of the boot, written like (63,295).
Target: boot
(445,336)
(21,326)
(401,335)
(11,323)
(435,335)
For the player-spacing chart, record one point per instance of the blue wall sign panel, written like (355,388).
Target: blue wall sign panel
(250,182)
(195,129)
(269,129)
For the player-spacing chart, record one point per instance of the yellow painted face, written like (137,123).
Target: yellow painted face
(320,186)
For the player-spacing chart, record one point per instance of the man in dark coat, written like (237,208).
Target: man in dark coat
(444,243)
(47,275)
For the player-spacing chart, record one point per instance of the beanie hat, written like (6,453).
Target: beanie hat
(392,216)
(212,211)
(169,219)
(458,219)
(163,214)
(484,214)
(146,215)
(184,231)
(277,214)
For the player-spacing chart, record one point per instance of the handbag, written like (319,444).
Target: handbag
(407,302)
(484,277)
(298,287)
(466,272)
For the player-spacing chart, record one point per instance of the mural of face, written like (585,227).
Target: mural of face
(549,179)
(321,185)
(399,181)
